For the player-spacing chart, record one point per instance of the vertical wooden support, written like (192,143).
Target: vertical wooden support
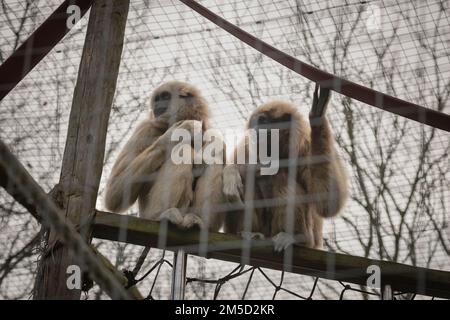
(85,145)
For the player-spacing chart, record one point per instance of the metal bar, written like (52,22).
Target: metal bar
(84,150)
(327,80)
(179,275)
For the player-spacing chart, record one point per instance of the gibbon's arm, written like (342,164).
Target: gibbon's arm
(328,180)
(144,154)
(209,189)
(234,173)
(140,156)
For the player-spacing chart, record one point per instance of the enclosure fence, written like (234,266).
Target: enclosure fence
(71,220)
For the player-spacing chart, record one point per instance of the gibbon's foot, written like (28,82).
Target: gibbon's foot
(283,240)
(172,215)
(190,220)
(166,138)
(247,235)
(232,182)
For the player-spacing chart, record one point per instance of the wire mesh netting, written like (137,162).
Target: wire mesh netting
(398,169)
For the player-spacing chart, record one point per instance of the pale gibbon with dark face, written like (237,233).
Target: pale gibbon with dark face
(289,206)
(144,170)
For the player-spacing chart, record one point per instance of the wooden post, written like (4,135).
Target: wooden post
(85,145)
(13,173)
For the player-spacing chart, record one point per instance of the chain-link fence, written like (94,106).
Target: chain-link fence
(398,168)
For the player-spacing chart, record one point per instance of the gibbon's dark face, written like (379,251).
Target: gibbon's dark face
(161,103)
(171,97)
(165,99)
(268,121)
(284,116)
(174,101)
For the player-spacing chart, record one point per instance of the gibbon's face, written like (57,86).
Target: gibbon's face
(175,101)
(276,115)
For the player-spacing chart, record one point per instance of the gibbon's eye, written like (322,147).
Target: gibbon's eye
(186,95)
(161,103)
(257,119)
(263,119)
(164,95)
(282,122)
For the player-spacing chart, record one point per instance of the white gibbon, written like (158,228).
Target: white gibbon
(145,172)
(289,206)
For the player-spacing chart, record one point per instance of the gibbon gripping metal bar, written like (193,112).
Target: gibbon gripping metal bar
(348,88)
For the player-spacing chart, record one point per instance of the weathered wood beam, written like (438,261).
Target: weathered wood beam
(53,217)
(85,144)
(15,191)
(317,263)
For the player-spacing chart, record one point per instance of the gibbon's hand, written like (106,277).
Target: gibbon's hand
(232,183)
(189,125)
(320,102)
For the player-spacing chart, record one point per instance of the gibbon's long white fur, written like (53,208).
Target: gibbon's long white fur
(317,188)
(144,171)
